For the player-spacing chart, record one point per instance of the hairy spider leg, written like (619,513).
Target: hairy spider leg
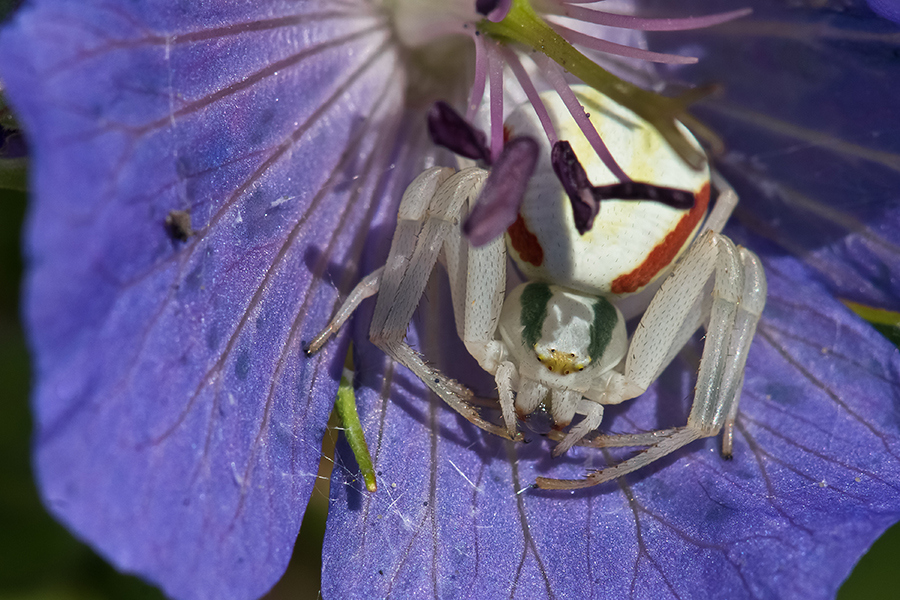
(366,288)
(427,222)
(478,287)
(738,298)
(616,389)
(698,314)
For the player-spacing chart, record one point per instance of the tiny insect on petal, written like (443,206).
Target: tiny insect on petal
(178,225)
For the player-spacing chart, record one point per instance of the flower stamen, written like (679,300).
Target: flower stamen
(477,92)
(503,192)
(555,78)
(516,25)
(643,24)
(494,10)
(495,77)
(524,26)
(601,45)
(450,130)
(531,93)
(585,198)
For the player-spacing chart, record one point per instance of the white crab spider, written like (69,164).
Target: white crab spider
(560,338)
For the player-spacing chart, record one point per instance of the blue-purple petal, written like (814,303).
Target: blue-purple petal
(810,121)
(816,471)
(178,424)
(814,480)
(889,9)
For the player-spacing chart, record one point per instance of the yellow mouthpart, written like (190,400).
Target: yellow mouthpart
(562,363)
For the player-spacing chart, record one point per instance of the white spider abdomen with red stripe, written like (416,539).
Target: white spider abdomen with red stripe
(631,242)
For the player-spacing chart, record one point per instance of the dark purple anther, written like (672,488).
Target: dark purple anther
(449,129)
(634,190)
(578,187)
(503,192)
(485,7)
(494,10)
(586,198)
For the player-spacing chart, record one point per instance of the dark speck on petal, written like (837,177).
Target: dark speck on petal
(178,225)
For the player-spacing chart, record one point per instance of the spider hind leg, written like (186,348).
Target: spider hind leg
(738,298)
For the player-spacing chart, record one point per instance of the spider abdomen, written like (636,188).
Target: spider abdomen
(631,243)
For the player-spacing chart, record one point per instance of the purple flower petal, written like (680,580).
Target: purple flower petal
(178,424)
(816,470)
(810,121)
(889,9)
(814,480)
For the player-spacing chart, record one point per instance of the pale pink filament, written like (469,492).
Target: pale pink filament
(555,78)
(630,22)
(477,92)
(576,37)
(495,75)
(530,92)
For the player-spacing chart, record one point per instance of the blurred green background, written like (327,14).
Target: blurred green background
(40,560)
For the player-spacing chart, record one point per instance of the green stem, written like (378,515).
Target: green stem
(346,410)
(886,322)
(14,174)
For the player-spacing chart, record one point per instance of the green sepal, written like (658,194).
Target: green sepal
(523,25)
(885,322)
(14,174)
(345,405)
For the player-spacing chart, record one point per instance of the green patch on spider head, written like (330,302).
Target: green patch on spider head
(605,321)
(534,301)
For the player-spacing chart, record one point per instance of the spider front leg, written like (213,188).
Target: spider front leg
(478,286)
(427,222)
(413,208)
(425,226)
(733,310)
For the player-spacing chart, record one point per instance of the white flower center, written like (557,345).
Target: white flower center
(435,41)
(419,23)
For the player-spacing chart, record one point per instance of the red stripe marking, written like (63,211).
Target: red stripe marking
(664,252)
(525,243)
